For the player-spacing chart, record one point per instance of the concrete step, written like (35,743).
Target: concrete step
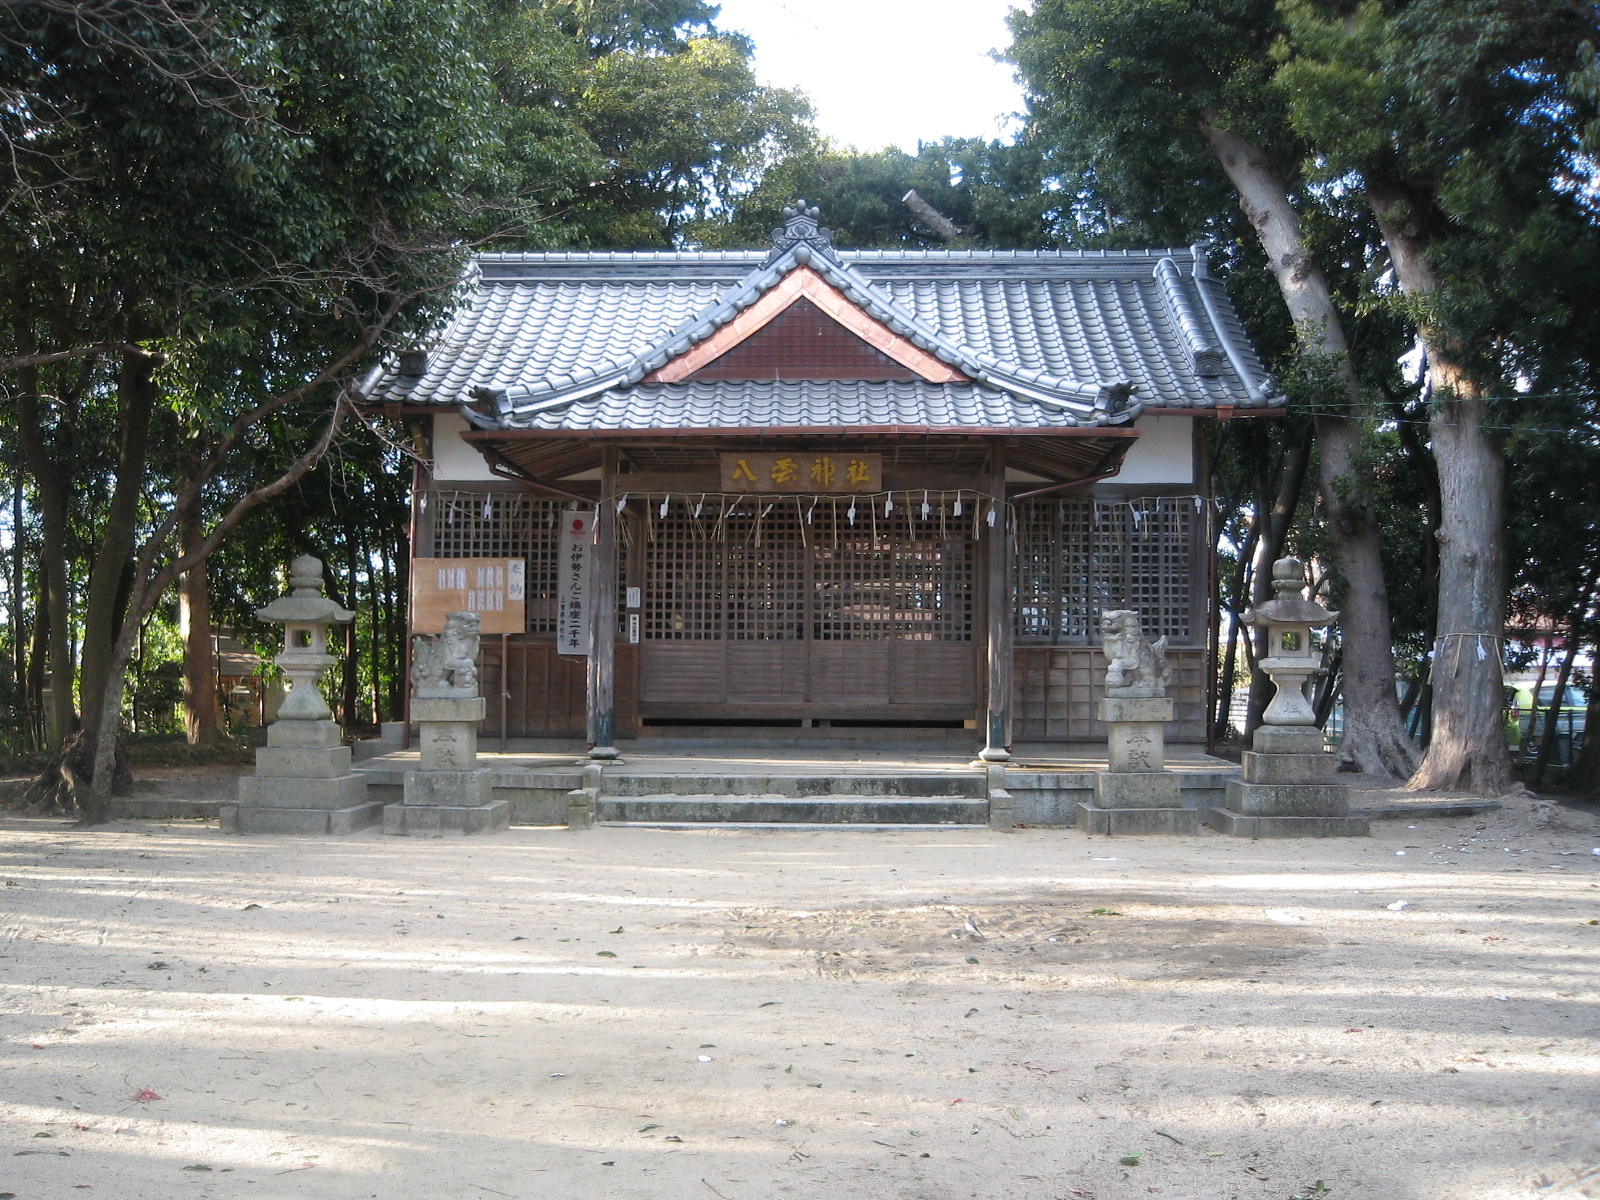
(789,810)
(968,785)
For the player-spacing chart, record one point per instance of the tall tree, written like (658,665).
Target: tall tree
(1152,104)
(279,190)
(1458,120)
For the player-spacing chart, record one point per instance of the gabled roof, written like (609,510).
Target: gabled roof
(1069,339)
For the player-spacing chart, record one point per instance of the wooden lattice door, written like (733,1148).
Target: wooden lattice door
(777,611)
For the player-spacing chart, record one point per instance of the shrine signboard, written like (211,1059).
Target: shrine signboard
(494,588)
(798,472)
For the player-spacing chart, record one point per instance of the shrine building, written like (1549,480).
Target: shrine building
(806,488)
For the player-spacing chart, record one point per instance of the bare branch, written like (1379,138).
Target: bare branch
(46,357)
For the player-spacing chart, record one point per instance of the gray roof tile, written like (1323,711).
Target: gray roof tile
(1046,335)
(794,404)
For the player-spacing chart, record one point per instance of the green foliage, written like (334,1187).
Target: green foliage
(1117,90)
(1472,114)
(621,126)
(992,191)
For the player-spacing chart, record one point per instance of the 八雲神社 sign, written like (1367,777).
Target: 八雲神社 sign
(802,471)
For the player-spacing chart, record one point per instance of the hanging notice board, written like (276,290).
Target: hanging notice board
(573,575)
(494,588)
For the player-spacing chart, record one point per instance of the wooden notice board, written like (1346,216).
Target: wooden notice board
(494,588)
(802,472)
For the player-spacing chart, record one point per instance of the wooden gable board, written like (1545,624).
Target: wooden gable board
(805,282)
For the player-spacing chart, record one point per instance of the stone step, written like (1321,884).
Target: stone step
(954,785)
(789,810)
(775,827)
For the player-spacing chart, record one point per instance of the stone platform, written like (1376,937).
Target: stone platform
(1287,790)
(303,783)
(841,784)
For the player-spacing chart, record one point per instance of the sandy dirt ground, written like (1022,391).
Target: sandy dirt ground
(632,1013)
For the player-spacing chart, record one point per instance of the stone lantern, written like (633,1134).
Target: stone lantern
(1288,619)
(305,614)
(303,782)
(1288,789)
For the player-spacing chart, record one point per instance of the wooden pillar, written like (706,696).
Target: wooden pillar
(997,722)
(603,616)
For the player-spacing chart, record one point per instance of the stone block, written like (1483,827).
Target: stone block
(443,820)
(308,735)
(582,806)
(471,709)
(1111,821)
(1135,746)
(450,789)
(1114,709)
(243,818)
(1288,768)
(1002,816)
(1287,799)
(1137,789)
(257,791)
(303,762)
(534,806)
(447,745)
(1286,739)
(1240,825)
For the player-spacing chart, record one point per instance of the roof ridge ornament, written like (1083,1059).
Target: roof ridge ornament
(800,228)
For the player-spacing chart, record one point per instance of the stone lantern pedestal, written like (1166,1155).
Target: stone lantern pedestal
(1135,793)
(448,793)
(1288,788)
(303,782)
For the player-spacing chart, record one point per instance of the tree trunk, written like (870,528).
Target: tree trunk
(350,682)
(93,795)
(19,623)
(200,717)
(51,482)
(108,599)
(38,653)
(1275,522)
(1538,686)
(1575,622)
(1230,659)
(1374,738)
(1468,748)
(1585,774)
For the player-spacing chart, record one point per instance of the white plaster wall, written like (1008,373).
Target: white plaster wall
(453,459)
(1163,453)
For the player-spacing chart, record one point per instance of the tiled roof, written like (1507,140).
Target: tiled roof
(796,404)
(1071,338)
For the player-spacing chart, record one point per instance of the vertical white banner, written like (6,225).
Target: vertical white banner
(572,583)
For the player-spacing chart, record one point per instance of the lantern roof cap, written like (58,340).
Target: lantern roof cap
(305,603)
(1289,606)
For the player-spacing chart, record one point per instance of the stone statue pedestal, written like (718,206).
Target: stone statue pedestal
(303,782)
(1136,793)
(1287,790)
(448,793)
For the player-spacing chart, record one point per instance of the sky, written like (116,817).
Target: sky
(887,72)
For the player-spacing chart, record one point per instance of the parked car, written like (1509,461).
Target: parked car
(1569,721)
